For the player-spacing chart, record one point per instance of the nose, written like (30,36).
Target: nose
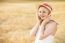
(41,14)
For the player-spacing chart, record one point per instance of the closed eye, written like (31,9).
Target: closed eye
(44,12)
(39,11)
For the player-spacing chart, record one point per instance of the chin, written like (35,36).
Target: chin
(42,18)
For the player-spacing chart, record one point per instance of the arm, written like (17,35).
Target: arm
(34,30)
(50,28)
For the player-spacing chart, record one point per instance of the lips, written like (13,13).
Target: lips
(42,16)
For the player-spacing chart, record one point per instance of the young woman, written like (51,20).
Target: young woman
(45,28)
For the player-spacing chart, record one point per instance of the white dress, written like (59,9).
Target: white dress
(48,39)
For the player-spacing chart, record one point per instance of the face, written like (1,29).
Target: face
(43,12)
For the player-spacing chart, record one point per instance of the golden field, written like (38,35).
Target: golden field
(16,20)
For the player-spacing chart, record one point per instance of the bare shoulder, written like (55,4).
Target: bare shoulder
(51,23)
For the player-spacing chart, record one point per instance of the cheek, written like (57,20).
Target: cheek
(38,14)
(46,15)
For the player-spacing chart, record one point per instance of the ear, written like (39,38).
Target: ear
(49,16)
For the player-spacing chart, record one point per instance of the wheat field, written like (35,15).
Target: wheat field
(17,19)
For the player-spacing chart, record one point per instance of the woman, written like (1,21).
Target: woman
(45,28)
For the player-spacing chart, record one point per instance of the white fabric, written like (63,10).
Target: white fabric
(48,39)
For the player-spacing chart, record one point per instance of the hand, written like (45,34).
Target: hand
(45,20)
(39,19)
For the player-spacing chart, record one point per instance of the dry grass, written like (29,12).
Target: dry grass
(16,19)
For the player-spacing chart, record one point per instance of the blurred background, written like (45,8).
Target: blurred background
(17,17)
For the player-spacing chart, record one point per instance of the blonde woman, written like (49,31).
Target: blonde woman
(45,28)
